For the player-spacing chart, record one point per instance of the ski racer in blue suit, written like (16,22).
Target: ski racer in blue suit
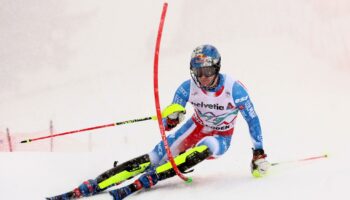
(218,141)
(217,99)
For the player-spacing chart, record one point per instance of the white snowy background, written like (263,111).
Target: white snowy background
(84,63)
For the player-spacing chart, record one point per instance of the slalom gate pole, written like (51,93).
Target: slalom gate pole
(89,129)
(9,139)
(156,97)
(300,160)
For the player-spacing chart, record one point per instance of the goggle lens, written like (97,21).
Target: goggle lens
(204,71)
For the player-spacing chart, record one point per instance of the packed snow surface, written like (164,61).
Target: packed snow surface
(87,63)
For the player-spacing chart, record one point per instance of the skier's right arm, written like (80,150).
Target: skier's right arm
(181,97)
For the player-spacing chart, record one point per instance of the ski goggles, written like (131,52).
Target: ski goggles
(204,71)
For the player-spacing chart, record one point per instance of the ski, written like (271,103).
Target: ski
(129,169)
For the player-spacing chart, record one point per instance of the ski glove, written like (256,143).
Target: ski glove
(174,119)
(174,114)
(259,165)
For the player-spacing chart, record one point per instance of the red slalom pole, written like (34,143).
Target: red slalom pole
(156,96)
(300,160)
(88,129)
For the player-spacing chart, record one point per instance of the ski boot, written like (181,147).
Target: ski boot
(147,180)
(87,188)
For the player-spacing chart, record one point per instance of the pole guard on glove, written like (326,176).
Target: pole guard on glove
(259,165)
(173,114)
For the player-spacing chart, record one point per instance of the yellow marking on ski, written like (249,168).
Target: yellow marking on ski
(122,176)
(180,159)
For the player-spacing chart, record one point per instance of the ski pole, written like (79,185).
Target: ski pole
(166,112)
(300,160)
(90,128)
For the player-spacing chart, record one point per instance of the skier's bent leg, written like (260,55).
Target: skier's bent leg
(217,144)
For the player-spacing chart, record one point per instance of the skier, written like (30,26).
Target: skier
(216,98)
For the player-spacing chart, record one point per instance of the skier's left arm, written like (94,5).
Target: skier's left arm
(259,165)
(246,107)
